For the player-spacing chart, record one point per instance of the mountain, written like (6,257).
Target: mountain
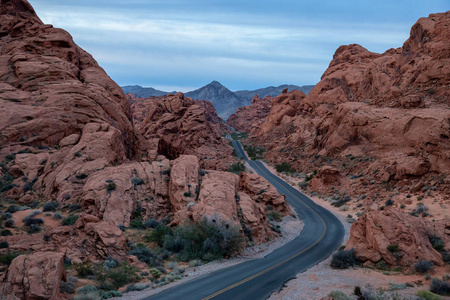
(272,91)
(143,92)
(225,101)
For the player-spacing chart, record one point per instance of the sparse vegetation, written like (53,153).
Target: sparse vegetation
(338,295)
(427,295)
(284,167)
(7,257)
(423,266)
(146,255)
(110,185)
(206,240)
(239,135)
(50,206)
(236,168)
(344,259)
(254,152)
(69,220)
(440,287)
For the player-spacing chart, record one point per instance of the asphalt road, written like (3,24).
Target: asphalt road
(259,278)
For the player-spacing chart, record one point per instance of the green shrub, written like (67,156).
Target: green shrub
(110,263)
(5,232)
(155,273)
(146,255)
(195,263)
(50,206)
(111,294)
(254,152)
(344,259)
(207,240)
(437,243)
(137,181)
(110,185)
(89,292)
(67,287)
(158,234)
(81,176)
(151,223)
(84,269)
(7,257)
(393,248)
(338,295)
(284,167)
(4,245)
(423,266)
(440,287)
(236,168)
(9,223)
(137,223)
(34,228)
(69,220)
(121,275)
(136,287)
(427,295)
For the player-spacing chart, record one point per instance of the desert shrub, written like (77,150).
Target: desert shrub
(236,168)
(137,223)
(284,167)
(436,242)
(67,287)
(137,181)
(9,223)
(69,220)
(392,248)
(88,292)
(440,287)
(4,244)
(6,216)
(421,209)
(74,207)
(5,232)
(121,275)
(146,255)
(12,209)
(151,223)
(7,257)
(344,259)
(274,215)
(34,228)
(57,216)
(110,263)
(111,294)
(427,295)
(161,269)
(155,273)
(423,266)
(303,185)
(158,234)
(389,202)
(195,263)
(28,221)
(255,152)
(172,265)
(136,287)
(84,269)
(110,185)
(28,186)
(338,295)
(50,206)
(81,176)
(207,240)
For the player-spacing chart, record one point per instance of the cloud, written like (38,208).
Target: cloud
(159,40)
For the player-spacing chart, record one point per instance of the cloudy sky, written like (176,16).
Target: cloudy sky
(183,45)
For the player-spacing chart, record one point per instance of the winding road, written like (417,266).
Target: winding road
(259,278)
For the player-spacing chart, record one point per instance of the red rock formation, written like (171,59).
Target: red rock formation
(34,276)
(243,201)
(53,94)
(176,125)
(390,111)
(250,118)
(376,230)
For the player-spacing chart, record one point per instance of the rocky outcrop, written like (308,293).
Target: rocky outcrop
(250,118)
(176,125)
(371,235)
(34,276)
(58,108)
(243,201)
(389,112)
(89,239)
(115,193)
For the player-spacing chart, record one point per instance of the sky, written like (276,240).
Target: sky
(245,45)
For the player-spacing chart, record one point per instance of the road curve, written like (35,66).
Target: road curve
(259,278)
